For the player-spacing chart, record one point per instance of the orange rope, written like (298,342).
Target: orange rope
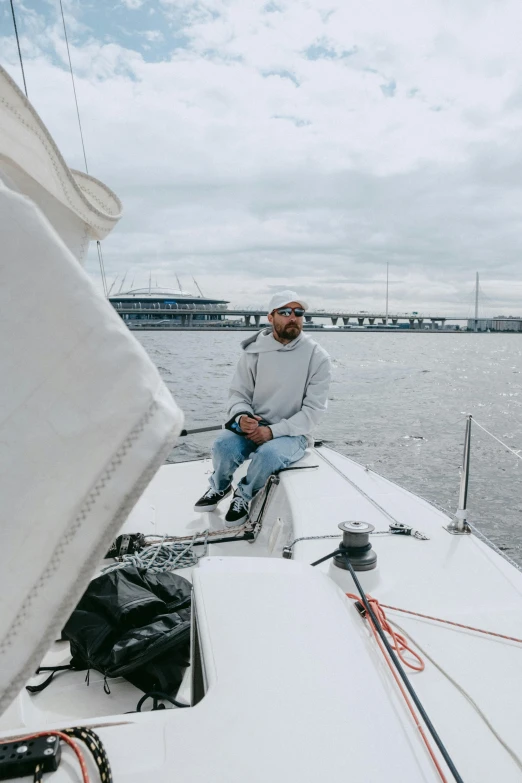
(450,622)
(65,738)
(398,641)
(400,645)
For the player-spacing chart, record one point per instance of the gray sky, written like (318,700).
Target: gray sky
(304,143)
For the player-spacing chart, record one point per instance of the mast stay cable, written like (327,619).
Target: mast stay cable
(74,87)
(98,243)
(515,452)
(19,50)
(102,268)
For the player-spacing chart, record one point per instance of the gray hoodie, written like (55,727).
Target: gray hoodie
(285,384)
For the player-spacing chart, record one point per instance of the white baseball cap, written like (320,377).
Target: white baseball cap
(283,298)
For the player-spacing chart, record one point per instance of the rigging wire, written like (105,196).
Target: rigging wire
(476,532)
(112,286)
(361,491)
(19,50)
(100,255)
(399,645)
(102,268)
(450,622)
(398,671)
(515,453)
(74,86)
(461,690)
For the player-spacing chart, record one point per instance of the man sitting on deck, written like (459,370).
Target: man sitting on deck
(278,393)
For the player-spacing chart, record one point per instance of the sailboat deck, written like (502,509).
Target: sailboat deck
(456,578)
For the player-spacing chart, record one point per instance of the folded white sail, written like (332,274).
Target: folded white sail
(80,207)
(85,420)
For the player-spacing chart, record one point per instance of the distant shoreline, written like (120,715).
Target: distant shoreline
(318,330)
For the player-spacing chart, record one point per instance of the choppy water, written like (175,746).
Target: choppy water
(397,404)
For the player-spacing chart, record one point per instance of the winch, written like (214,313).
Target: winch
(356,546)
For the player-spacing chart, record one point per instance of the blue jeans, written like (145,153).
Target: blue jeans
(230,451)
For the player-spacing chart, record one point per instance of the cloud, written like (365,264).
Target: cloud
(389,90)
(153,35)
(133,5)
(310,141)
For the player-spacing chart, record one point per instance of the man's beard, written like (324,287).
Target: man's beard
(287,331)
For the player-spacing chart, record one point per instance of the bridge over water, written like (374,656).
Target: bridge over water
(184,314)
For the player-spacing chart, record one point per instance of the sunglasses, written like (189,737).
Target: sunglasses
(286,311)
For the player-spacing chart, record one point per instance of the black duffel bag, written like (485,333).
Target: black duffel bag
(134,624)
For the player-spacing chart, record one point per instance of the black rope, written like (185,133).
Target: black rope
(74,87)
(402,673)
(19,50)
(96,748)
(326,557)
(158,695)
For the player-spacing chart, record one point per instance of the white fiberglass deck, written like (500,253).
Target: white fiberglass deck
(297,689)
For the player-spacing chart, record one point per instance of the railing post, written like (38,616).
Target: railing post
(459,525)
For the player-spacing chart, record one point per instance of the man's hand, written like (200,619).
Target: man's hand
(249,425)
(260,435)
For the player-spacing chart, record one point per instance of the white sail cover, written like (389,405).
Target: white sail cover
(85,421)
(80,207)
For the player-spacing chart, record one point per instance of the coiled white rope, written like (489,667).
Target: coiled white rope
(164,556)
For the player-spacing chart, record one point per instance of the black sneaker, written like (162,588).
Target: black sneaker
(209,501)
(238,511)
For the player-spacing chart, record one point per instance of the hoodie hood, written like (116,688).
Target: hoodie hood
(265,342)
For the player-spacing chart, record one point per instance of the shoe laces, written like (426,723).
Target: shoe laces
(239,503)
